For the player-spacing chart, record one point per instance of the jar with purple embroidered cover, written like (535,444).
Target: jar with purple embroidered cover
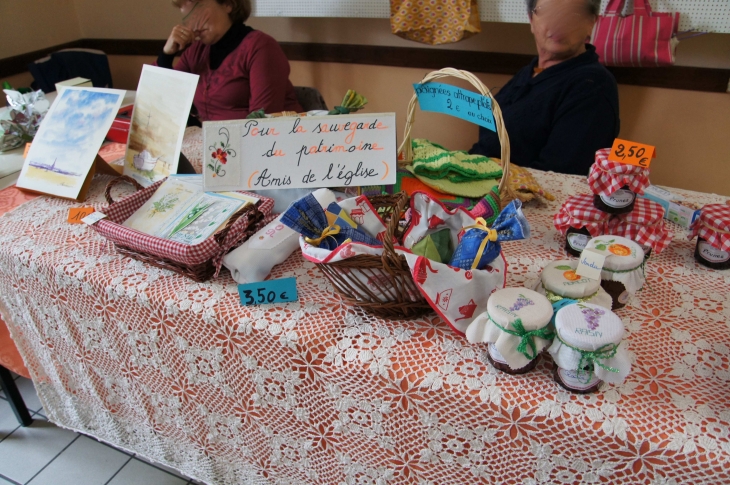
(588,349)
(516,327)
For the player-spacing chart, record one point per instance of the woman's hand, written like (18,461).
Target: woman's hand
(179,39)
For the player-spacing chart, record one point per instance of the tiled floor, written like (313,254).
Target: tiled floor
(43,454)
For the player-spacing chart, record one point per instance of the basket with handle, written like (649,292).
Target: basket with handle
(405,151)
(198,262)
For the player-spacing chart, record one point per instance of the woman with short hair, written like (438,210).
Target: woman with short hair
(563,107)
(241,69)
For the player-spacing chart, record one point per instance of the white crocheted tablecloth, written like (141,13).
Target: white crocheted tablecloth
(318,392)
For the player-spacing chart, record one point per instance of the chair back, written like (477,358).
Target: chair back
(68,64)
(309,98)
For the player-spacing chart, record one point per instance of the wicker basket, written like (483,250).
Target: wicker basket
(405,151)
(198,271)
(391,269)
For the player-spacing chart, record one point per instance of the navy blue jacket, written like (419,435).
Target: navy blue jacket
(558,119)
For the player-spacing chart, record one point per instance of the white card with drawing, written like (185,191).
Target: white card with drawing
(64,149)
(161,108)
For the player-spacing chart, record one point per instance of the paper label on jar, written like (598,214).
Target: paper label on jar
(578,241)
(495,355)
(577,381)
(619,199)
(712,254)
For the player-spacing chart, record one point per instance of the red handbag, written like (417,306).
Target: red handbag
(644,39)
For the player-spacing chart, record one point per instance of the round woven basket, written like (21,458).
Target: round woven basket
(405,151)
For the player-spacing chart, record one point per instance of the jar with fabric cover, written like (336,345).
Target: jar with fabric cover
(588,349)
(712,229)
(562,286)
(643,225)
(579,221)
(615,185)
(516,327)
(623,269)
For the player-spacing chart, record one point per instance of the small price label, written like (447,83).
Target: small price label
(77,214)
(631,153)
(271,291)
(590,264)
(93,218)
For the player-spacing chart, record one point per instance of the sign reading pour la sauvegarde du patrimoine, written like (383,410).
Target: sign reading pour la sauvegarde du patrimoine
(454,101)
(313,151)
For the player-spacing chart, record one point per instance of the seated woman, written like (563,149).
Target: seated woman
(241,70)
(563,106)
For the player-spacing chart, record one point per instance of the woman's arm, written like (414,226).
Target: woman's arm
(268,76)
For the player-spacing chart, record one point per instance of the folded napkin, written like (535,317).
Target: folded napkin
(436,162)
(480,245)
(435,246)
(307,217)
(253,260)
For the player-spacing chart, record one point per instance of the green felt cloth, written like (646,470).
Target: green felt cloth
(474,190)
(436,246)
(437,163)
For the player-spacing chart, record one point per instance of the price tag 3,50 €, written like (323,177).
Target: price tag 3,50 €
(271,291)
(631,153)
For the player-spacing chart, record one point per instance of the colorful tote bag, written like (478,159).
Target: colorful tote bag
(434,21)
(643,39)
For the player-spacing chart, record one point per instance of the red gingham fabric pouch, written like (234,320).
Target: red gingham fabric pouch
(118,212)
(713,226)
(644,225)
(606,177)
(578,211)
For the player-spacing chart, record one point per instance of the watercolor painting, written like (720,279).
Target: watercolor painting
(64,149)
(161,108)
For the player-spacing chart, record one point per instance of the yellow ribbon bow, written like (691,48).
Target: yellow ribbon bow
(328,231)
(481,225)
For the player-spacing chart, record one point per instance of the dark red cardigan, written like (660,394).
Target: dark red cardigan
(254,76)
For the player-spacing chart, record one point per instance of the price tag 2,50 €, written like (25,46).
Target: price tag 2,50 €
(271,291)
(631,153)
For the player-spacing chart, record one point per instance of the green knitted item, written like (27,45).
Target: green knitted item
(437,163)
(473,190)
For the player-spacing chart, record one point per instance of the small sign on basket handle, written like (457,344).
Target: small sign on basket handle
(631,153)
(455,101)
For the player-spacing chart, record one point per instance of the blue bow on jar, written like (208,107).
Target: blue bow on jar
(480,245)
(307,217)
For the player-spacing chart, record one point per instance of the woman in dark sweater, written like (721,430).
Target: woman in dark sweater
(563,106)
(241,70)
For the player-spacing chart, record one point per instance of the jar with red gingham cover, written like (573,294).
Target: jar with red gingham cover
(712,229)
(579,221)
(643,225)
(615,185)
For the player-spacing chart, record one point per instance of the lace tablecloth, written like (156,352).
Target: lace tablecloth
(319,392)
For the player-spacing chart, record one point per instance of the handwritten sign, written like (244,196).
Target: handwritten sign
(454,101)
(590,264)
(631,153)
(77,214)
(302,152)
(271,291)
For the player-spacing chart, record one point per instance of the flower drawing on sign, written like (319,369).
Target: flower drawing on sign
(219,154)
(592,316)
(522,301)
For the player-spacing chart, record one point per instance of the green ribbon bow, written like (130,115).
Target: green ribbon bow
(526,338)
(593,357)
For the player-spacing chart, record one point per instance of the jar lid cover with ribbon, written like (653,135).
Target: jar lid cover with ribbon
(713,226)
(606,176)
(624,260)
(516,322)
(559,277)
(644,225)
(587,334)
(578,211)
